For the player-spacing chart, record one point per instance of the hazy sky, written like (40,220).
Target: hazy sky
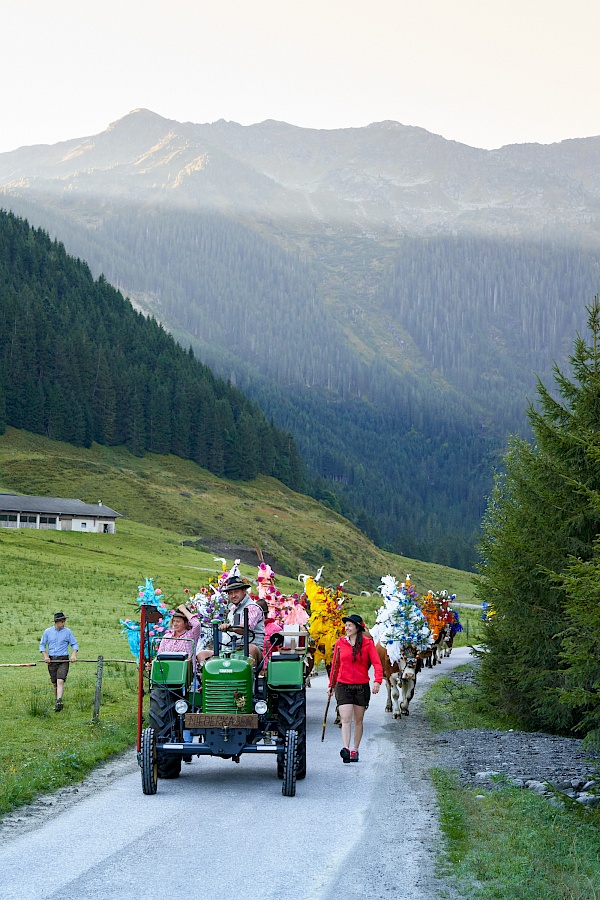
(484,72)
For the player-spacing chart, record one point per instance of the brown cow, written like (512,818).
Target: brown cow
(447,640)
(433,654)
(400,679)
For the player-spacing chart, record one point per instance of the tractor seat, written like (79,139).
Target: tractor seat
(285,656)
(171,656)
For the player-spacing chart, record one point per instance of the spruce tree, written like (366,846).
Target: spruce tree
(581,645)
(543,515)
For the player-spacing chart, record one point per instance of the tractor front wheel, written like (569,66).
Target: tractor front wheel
(290,764)
(163,719)
(291,716)
(149,761)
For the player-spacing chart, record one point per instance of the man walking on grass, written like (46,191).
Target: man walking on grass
(54,646)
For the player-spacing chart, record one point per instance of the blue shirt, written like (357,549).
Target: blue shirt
(57,641)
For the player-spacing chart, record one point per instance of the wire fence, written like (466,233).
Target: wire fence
(99,663)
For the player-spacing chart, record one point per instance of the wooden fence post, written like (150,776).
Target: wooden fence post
(99,670)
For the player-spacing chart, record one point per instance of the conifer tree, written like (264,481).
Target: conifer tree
(581,645)
(543,516)
(2,409)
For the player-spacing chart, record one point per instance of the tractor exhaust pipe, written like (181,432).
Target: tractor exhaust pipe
(246,634)
(216,638)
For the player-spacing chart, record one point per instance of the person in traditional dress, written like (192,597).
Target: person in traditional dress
(54,647)
(239,600)
(182,634)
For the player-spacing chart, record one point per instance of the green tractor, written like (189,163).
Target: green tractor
(232,709)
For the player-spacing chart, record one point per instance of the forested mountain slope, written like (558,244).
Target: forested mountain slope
(385,295)
(78,364)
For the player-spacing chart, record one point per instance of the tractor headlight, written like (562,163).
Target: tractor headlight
(260,707)
(181,707)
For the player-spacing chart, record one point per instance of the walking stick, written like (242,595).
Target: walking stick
(334,676)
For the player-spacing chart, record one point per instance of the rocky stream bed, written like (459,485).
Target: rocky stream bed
(544,763)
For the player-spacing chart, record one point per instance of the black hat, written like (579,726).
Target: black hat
(356,619)
(59,617)
(235,583)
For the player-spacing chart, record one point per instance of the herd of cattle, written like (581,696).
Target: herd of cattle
(409,632)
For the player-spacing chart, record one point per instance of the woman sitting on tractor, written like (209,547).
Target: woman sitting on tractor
(183,634)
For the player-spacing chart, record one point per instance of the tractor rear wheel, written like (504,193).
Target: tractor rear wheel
(162,719)
(149,761)
(291,715)
(290,764)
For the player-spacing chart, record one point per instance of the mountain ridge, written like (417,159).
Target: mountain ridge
(384,178)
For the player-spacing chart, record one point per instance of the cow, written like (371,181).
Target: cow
(400,679)
(432,655)
(309,664)
(447,640)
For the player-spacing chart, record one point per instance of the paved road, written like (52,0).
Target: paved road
(225,831)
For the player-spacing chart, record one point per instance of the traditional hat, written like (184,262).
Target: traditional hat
(356,620)
(59,617)
(234,584)
(181,615)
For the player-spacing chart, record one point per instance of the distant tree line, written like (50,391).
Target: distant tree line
(489,314)
(79,364)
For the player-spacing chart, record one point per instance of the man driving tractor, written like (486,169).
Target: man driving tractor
(239,600)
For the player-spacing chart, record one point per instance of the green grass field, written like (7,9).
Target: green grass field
(94,578)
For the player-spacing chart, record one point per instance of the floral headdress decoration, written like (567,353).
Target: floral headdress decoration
(148,595)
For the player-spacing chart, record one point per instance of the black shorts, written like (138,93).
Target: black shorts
(58,669)
(356,694)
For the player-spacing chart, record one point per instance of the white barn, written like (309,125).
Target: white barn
(56,513)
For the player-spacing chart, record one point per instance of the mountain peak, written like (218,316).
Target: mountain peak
(139,119)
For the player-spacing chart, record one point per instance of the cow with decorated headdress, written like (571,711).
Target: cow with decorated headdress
(401,636)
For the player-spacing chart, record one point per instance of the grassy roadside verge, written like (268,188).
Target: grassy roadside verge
(42,750)
(508,843)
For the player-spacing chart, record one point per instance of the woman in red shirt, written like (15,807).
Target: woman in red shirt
(353,655)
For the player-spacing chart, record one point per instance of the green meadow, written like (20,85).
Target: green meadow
(94,579)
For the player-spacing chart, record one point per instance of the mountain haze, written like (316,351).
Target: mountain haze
(386,295)
(385,177)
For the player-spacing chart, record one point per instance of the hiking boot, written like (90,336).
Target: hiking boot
(353,756)
(345,754)
(58,706)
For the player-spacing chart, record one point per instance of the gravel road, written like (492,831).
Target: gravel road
(224,830)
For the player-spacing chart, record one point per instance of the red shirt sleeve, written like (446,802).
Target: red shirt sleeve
(376,662)
(335,666)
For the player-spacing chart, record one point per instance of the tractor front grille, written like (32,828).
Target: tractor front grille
(218,696)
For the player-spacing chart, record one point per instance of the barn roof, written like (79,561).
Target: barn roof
(56,506)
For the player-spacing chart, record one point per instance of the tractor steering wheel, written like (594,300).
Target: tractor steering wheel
(231,633)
